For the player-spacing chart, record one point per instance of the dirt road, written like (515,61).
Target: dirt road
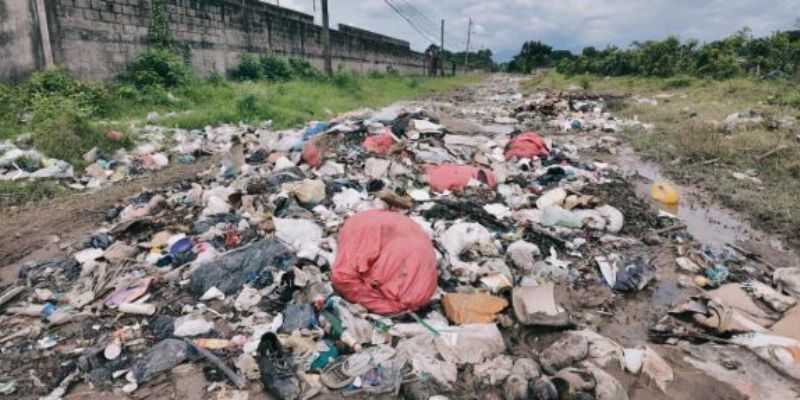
(47,229)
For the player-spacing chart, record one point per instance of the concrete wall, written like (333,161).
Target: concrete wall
(20,41)
(96,39)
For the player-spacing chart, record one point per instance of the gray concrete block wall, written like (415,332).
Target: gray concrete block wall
(20,39)
(96,39)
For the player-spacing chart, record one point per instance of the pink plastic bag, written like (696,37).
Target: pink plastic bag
(385,262)
(453,177)
(311,154)
(527,145)
(379,144)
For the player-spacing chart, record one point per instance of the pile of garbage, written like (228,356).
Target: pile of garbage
(16,163)
(369,256)
(156,147)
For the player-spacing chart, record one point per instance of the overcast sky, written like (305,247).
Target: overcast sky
(503,25)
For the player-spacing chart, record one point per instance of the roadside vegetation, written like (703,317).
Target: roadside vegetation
(63,117)
(694,145)
(738,55)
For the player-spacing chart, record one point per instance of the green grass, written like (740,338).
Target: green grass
(295,102)
(22,192)
(689,141)
(66,118)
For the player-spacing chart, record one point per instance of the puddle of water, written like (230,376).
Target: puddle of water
(709,223)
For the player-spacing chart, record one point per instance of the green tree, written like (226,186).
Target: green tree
(534,54)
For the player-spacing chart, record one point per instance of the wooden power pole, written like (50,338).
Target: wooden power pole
(326,39)
(441,52)
(466,53)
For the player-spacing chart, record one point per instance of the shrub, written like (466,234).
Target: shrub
(157,67)
(247,106)
(53,81)
(252,108)
(344,79)
(303,69)
(215,78)
(413,83)
(248,69)
(585,83)
(274,68)
(62,129)
(128,93)
(57,82)
(12,99)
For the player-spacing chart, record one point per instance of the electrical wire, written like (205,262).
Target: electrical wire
(416,13)
(411,22)
(424,24)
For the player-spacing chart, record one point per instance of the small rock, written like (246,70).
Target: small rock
(574,380)
(564,353)
(515,388)
(526,368)
(543,389)
(523,254)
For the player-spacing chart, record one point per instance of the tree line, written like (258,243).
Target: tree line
(740,54)
(475,60)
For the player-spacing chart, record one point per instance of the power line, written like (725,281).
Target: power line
(423,24)
(407,19)
(420,15)
(430,29)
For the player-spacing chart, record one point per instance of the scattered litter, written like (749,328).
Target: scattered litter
(373,257)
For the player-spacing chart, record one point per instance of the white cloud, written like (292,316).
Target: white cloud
(503,25)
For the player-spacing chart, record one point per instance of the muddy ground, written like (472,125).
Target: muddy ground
(47,229)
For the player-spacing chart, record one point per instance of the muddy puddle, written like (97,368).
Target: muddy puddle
(708,222)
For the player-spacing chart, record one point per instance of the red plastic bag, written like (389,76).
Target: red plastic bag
(379,144)
(311,154)
(385,262)
(527,145)
(443,177)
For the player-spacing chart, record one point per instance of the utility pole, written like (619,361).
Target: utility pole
(466,53)
(441,52)
(326,39)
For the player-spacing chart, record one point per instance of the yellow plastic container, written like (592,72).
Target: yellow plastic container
(664,193)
